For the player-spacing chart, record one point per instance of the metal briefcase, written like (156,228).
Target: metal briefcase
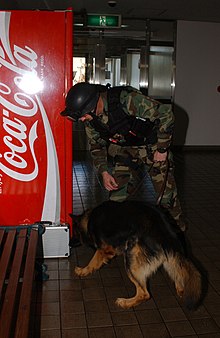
(55,241)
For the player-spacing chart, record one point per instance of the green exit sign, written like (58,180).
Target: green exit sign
(103,20)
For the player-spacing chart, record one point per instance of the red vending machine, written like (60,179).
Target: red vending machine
(35,141)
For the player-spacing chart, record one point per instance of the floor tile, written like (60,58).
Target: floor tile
(148,316)
(50,322)
(98,319)
(79,333)
(72,307)
(124,318)
(155,330)
(102,332)
(172,314)
(73,320)
(180,328)
(96,306)
(131,331)
(206,325)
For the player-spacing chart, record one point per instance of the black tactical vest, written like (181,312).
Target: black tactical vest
(124,129)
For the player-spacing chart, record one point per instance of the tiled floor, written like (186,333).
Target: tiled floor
(68,306)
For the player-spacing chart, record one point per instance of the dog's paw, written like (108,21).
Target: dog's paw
(81,271)
(127,303)
(123,302)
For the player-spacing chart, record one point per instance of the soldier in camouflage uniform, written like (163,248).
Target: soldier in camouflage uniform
(91,105)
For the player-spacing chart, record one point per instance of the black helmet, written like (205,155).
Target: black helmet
(80,100)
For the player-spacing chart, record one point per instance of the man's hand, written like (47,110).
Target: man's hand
(109,181)
(160,157)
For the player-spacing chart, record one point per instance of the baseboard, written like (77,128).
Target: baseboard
(195,148)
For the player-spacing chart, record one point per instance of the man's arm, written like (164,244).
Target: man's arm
(97,148)
(166,126)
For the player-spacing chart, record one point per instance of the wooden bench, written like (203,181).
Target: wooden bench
(18,247)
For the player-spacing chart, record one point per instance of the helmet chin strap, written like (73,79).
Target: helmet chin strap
(75,116)
(93,114)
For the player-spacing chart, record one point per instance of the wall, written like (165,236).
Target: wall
(197,101)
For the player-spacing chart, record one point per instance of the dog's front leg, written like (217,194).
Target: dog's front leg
(100,257)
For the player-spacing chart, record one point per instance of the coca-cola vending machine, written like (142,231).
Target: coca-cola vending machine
(35,141)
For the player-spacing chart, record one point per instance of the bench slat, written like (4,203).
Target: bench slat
(10,295)
(23,318)
(2,231)
(5,258)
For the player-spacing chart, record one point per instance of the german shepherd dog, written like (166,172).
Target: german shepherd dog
(148,239)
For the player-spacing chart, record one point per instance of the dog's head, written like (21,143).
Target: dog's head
(80,228)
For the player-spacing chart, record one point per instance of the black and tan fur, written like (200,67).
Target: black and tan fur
(148,239)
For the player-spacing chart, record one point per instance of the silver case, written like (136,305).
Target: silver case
(55,241)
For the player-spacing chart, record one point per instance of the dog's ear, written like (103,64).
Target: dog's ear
(74,216)
(81,221)
(76,240)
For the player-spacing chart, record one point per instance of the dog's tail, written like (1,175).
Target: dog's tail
(187,279)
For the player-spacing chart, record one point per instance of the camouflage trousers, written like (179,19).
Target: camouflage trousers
(129,170)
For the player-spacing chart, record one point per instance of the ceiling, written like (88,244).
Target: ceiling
(191,10)
(134,15)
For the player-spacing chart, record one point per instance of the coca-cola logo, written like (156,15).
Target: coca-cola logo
(16,139)
(17,106)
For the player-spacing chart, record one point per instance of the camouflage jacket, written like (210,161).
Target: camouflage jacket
(136,104)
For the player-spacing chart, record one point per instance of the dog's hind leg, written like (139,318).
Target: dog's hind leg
(142,293)
(138,269)
(101,256)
